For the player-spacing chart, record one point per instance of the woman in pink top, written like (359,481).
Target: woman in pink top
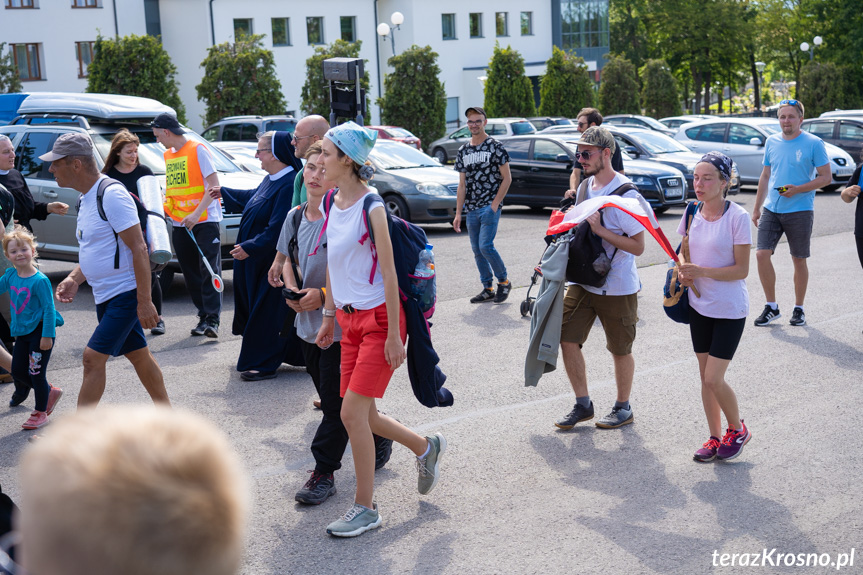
(720,239)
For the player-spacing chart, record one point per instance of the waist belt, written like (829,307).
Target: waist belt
(348,309)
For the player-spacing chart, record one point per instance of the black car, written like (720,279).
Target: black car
(541,166)
(842,132)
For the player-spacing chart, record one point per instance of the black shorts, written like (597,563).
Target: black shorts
(715,336)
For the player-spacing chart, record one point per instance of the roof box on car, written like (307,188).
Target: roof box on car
(103,106)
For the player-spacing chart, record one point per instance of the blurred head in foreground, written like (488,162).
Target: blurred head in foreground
(129,491)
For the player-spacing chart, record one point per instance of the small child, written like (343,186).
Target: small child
(33,321)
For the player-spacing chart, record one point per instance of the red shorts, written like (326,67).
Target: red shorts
(364,333)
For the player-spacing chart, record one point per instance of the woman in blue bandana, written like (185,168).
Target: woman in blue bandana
(259,309)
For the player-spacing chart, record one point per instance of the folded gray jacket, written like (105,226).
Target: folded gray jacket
(547,315)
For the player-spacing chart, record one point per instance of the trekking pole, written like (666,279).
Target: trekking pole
(218,285)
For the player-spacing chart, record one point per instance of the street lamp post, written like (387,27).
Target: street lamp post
(760,67)
(817,41)
(385,30)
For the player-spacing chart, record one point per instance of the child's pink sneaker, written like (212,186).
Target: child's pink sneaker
(53,397)
(37,420)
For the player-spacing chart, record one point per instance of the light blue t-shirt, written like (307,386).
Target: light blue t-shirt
(793,162)
(32,302)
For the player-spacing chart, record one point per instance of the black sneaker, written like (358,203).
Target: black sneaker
(798,317)
(768,315)
(383,451)
(160,328)
(18,397)
(485,295)
(502,292)
(211,328)
(578,413)
(201,327)
(317,489)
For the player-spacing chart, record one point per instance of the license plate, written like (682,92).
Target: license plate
(678,193)
(844,172)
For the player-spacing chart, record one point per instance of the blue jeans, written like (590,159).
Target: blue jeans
(482,228)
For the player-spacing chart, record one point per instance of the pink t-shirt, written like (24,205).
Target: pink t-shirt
(711,245)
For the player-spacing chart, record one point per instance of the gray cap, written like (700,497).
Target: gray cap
(71,144)
(597,136)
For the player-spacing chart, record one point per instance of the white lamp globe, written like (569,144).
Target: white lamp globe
(398,19)
(383,29)
(804,46)
(818,40)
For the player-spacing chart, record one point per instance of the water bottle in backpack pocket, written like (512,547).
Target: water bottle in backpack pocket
(423,288)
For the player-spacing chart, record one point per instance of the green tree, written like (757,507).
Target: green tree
(415,97)
(618,90)
(315,95)
(10,79)
(821,89)
(508,91)
(630,38)
(135,66)
(240,78)
(659,93)
(566,87)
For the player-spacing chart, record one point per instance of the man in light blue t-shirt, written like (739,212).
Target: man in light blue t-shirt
(790,160)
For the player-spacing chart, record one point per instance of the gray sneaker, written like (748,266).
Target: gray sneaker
(356,521)
(428,467)
(617,418)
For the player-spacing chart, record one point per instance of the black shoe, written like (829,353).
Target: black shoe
(18,397)
(211,328)
(486,294)
(317,489)
(160,329)
(201,327)
(769,314)
(383,450)
(577,414)
(502,292)
(798,317)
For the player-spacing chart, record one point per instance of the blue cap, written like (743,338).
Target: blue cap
(353,140)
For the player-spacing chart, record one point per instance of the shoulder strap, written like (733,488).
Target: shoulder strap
(581,192)
(370,234)
(100,196)
(623,189)
(326,204)
(691,208)
(293,243)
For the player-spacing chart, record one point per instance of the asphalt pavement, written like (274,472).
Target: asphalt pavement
(517,495)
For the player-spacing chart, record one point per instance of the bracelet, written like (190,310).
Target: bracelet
(328,312)
(322,294)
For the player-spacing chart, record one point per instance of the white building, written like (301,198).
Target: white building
(52,39)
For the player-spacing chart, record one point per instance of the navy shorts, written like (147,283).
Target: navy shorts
(119,331)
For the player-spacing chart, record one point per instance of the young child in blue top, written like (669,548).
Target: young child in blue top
(33,321)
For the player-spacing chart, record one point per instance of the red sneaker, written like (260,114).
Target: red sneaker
(53,397)
(708,450)
(733,442)
(37,420)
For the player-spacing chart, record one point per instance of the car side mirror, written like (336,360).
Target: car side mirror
(756,142)
(632,151)
(562,159)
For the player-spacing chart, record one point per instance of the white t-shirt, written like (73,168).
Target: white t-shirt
(205,162)
(349,261)
(98,245)
(711,245)
(623,277)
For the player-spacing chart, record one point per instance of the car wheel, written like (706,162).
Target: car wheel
(397,206)
(440,155)
(660,209)
(166,279)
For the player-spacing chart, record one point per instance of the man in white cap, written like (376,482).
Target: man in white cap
(121,289)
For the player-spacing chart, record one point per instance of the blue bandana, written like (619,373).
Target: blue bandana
(354,140)
(720,161)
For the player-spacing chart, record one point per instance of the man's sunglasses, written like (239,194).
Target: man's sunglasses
(586,155)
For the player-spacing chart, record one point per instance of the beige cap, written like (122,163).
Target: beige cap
(71,144)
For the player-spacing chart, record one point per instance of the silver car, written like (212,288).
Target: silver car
(445,149)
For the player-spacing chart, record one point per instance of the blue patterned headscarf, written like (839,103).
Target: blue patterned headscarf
(354,140)
(720,161)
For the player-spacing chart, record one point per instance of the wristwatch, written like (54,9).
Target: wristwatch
(328,312)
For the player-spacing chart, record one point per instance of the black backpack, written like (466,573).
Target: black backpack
(143,212)
(589,263)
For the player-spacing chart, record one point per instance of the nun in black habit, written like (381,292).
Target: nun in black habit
(259,308)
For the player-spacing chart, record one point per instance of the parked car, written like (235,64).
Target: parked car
(45,116)
(674,122)
(845,132)
(543,122)
(446,148)
(397,134)
(246,128)
(414,186)
(635,121)
(843,113)
(743,140)
(243,154)
(541,165)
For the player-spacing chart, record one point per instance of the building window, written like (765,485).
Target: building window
(20,4)
(242,27)
(501,24)
(281,31)
(475,19)
(315,29)
(584,24)
(27,61)
(84,53)
(349,28)
(85,4)
(447,23)
(452,111)
(527,23)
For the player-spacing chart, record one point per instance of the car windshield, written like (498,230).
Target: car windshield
(280,126)
(150,152)
(522,128)
(398,133)
(653,123)
(397,156)
(770,127)
(657,143)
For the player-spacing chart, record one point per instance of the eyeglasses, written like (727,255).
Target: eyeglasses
(260,151)
(295,138)
(7,564)
(586,154)
(474,122)
(580,124)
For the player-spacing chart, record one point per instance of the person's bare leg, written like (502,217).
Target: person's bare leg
(573,362)
(708,400)
(150,374)
(387,427)
(624,372)
(93,385)
(801,280)
(5,359)
(355,417)
(766,273)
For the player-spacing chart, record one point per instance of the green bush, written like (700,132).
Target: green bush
(240,78)
(415,97)
(508,91)
(566,87)
(820,88)
(10,79)
(315,96)
(659,94)
(618,90)
(135,66)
